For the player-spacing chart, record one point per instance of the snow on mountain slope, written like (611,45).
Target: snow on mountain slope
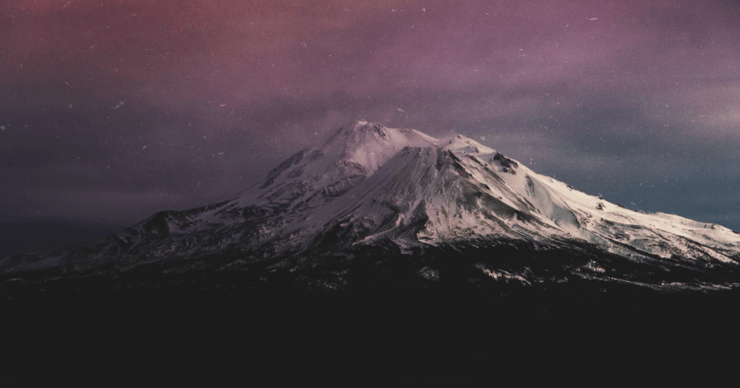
(465,191)
(304,181)
(313,175)
(610,226)
(370,184)
(427,196)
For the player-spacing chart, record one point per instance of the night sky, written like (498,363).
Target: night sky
(112,110)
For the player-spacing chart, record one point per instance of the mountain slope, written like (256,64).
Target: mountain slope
(439,247)
(370,186)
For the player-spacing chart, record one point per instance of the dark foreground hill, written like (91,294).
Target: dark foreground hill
(387,325)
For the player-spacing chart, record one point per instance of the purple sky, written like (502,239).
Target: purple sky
(113,110)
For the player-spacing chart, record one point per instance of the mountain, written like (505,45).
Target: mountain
(383,258)
(373,190)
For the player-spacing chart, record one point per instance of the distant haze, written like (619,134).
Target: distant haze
(113,110)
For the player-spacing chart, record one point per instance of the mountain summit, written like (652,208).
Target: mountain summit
(372,189)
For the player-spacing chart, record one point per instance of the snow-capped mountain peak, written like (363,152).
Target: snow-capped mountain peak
(370,184)
(370,144)
(353,153)
(387,179)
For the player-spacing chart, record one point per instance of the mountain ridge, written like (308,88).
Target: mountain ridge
(369,185)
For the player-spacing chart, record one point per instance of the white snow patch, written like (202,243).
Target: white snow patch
(428,273)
